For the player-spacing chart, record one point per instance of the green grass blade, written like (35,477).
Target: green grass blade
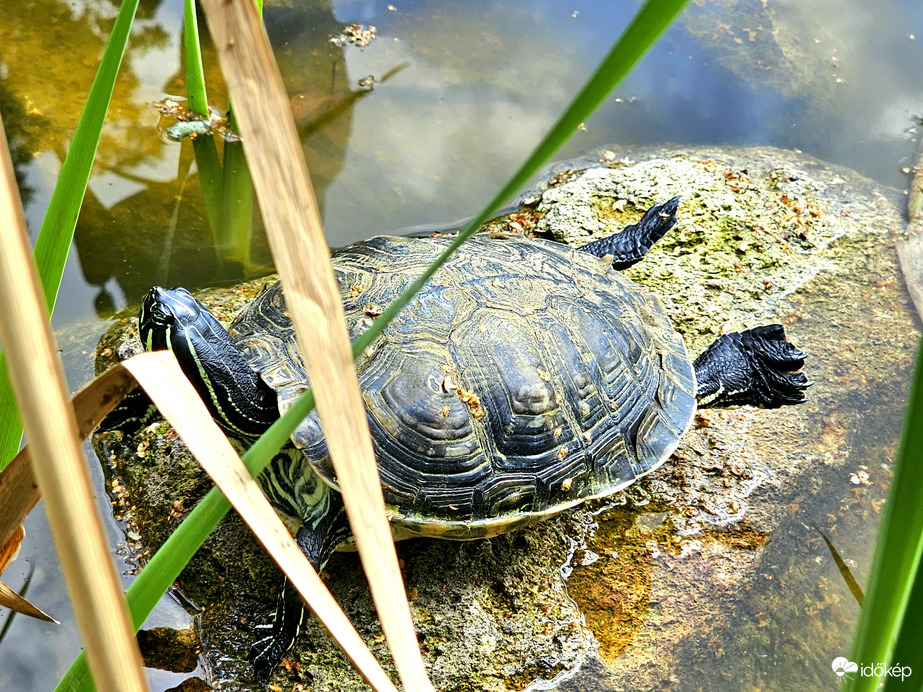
(195,74)
(908,649)
(206,151)
(158,575)
(227,189)
(239,199)
(167,563)
(238,205)
(57,232)
(894,575)
(211,179)
(10,423)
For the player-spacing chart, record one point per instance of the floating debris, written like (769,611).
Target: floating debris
(172,108)
(358,35)
(192,124)
(188,128)
(860,477)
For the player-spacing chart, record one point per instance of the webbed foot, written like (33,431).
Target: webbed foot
(759,367)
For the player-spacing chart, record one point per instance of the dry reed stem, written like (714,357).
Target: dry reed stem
(295,233)
(161,378)
(19,490)
(12,600)
(60,467)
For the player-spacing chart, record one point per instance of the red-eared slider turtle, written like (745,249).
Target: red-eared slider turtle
(526,377)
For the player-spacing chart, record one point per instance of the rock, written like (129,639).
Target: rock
(666,566)
(169,649)
(713,571)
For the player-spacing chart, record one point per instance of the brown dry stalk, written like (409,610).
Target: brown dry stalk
(60,469)
(295,234)
(160,376)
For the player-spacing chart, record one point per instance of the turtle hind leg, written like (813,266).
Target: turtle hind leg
(266,652)
(631,244)
(318,537)
(759,367)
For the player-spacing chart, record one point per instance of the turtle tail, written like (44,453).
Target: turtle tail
(757,367)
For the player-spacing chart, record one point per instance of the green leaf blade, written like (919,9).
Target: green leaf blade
(886,625)
(57,233)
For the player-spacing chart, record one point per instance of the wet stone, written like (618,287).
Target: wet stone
(686,567)
(169,649)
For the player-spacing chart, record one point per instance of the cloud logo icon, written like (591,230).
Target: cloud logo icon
(841,666)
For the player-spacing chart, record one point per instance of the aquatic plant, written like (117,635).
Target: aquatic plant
(57,231)
(888,639)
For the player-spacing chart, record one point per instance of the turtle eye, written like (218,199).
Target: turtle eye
(154,315)
(164,317)
(160,316)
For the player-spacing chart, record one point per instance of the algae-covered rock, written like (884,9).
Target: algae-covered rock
(713,573)
(666,567)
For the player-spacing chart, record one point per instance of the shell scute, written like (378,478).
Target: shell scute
(501,364)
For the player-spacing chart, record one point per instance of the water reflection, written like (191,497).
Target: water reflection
(20,140)
(483,82)
(174,244)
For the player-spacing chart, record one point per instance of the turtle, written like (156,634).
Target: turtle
(525,377)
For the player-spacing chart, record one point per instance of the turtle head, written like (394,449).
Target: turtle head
(165,315)
(239,401)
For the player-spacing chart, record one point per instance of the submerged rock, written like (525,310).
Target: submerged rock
(666,566)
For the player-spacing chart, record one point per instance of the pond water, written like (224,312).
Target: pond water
(473,85)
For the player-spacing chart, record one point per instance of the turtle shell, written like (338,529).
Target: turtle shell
(524,378)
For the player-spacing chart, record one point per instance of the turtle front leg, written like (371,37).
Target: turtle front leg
(759,367)
(631,244)
(322,530)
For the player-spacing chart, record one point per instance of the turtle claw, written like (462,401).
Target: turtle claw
(265,655)
(759,367)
